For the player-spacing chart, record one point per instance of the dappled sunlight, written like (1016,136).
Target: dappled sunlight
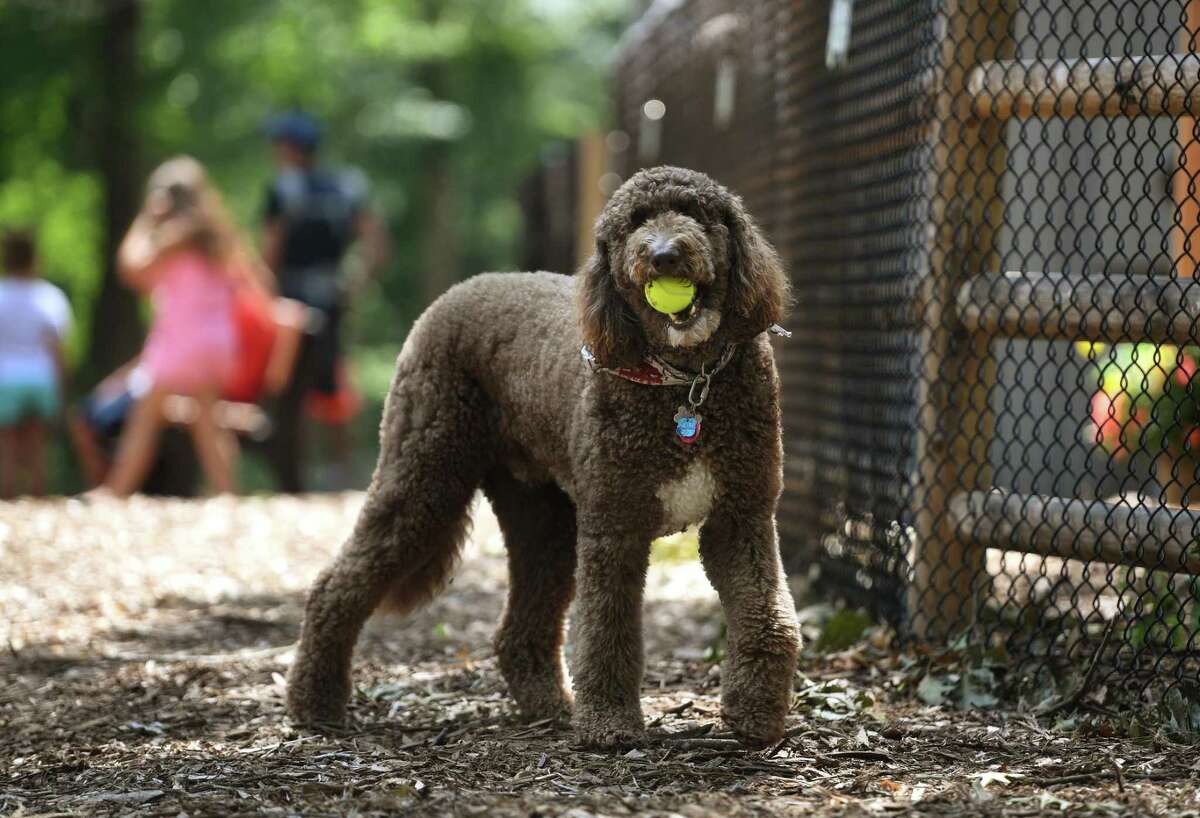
(82,569)
(146,672)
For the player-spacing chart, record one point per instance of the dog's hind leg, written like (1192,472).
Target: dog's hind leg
(432,457)
(538,523)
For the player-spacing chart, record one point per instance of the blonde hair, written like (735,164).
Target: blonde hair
(190,195)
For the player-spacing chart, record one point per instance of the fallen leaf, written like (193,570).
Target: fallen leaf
(934,690)
(1049,799)
(995,777)
(977,686)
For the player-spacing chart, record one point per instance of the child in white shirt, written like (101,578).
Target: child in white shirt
(34,317)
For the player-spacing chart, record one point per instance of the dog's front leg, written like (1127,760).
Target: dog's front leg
(741,557)
(610,578)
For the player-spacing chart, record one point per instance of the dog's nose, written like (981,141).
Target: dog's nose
(665,260)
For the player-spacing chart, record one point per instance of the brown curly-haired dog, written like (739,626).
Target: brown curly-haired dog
(584,466)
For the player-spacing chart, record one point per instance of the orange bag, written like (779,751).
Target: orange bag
(254,323)
(339,408)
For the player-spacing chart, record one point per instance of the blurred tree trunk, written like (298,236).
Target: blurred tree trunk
(440,250)
(440,246)
(116,331)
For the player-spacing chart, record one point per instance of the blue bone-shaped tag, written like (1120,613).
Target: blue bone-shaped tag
(687,425)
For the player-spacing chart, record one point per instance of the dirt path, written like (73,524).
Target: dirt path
(144,646)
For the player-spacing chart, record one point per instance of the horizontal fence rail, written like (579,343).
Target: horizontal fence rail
(1159,85)
(1158,309)
(1159,538)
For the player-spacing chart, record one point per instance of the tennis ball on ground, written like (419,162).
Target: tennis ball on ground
(669,294)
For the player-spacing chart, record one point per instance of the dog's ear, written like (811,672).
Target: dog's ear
(608,326)
(759,290)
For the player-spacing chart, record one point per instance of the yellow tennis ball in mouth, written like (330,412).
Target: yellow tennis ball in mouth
(670,295)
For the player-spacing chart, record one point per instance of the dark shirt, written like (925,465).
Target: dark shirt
(318,210)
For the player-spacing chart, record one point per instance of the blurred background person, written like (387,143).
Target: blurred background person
(480,127)
(184,252)
(34,318)
(268,330)
(311,218)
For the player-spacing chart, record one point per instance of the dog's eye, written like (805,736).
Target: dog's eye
(640,216)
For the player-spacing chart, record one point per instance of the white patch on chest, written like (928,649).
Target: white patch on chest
(687,499)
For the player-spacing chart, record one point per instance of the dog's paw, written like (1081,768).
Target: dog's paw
(538,701)
(756,716)
(314,704)
(306,712)
(754,708)
(610,730)
(559,710)
(755,731)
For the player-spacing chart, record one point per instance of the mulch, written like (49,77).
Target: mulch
(144,646)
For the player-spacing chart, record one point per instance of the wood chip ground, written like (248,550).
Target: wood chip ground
(144,646)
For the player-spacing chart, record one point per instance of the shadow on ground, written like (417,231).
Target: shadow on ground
(146,645)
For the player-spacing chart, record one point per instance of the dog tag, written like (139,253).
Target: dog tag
(687,425)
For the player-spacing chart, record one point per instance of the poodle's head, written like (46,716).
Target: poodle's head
(674,222)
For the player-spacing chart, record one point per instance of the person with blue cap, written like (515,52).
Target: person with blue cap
(311,218)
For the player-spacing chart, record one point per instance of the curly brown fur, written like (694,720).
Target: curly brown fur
(583,469)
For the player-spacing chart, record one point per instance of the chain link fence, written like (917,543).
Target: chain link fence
(990,213)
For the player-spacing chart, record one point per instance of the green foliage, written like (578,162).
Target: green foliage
(44,185)
(1164,612)
(966,675)
(484,86)
(475,90)
(832,700)
(843,630)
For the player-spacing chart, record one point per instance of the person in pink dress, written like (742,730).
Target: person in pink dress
(184,252)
